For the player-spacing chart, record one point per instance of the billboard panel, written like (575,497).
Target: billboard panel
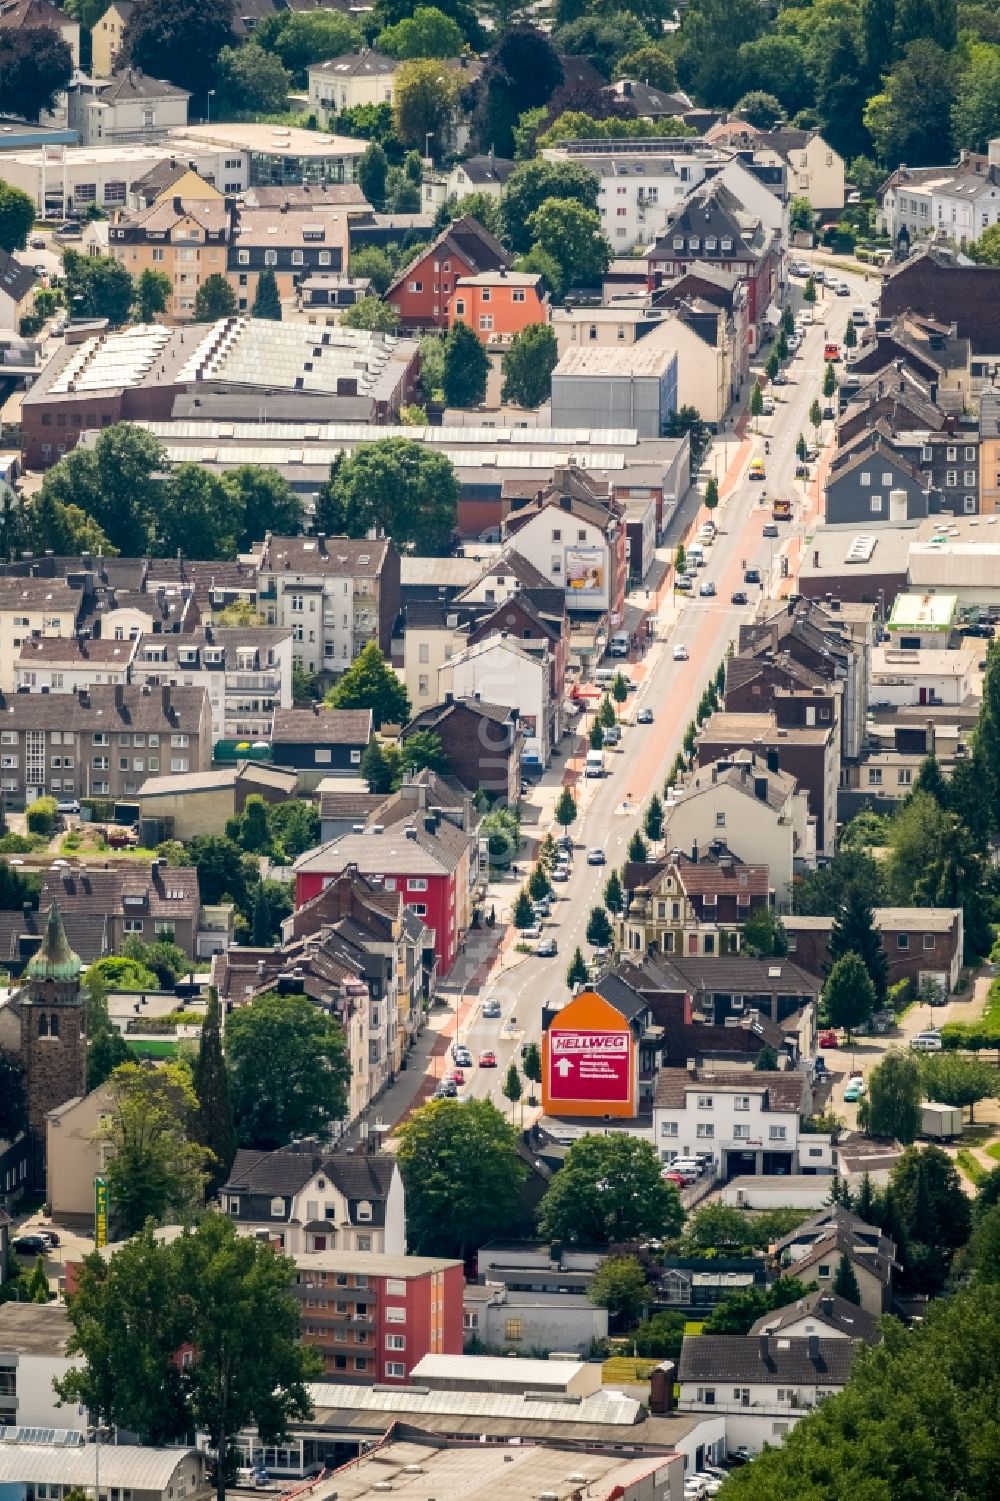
(586,573)
(589,1060)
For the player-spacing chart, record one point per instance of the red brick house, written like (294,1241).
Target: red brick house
(422,292)
(918,942)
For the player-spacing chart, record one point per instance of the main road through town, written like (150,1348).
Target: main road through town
(611,808)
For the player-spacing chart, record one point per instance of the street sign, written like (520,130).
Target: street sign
(589,1060)
(100,1212)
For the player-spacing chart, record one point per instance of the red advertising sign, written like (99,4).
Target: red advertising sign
(593,1066)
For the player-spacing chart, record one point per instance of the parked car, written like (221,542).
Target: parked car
(488,1059)
(596,856)
(37,242)
(491,1010)
(612,735)
(644,716)
(29,1245)
(855,1089)
(547,949)
(926,1042)
(828,413)
(683,583)
(680,652)
(801,471)
(780,379)
(820,1070)
(828,1039)
(460,1055)
(738,597)
(457,1076)
(770,530)
(560,873)
(531,934)
(446,1090)
(51,1236)
(70,806)
(751,575)
(677,1179)
(757,470)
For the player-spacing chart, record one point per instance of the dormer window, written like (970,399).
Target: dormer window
(364,1210)
(678,242)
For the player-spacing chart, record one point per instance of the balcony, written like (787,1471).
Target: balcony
(253,682)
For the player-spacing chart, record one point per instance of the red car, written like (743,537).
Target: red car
(828,1039)
(487,1060)
(677,1179)
(457,1075)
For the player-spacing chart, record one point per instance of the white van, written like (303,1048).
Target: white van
(695,553)
(859,317)
(605,676)
(619,644)
(594,764)
(926,1042)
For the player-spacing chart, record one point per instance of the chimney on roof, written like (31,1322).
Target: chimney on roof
(760,789)
(826,1304)
(814,1348)
(764,1347)
(694,852)
(165,699)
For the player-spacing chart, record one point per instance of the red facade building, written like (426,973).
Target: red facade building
(422,292)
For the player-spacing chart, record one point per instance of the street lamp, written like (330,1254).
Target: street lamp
(208,106)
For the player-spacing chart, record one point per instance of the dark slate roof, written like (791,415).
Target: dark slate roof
(481,169)
(739,974)
(21,932)
(467,238)
(825,1308)
(133,83)
(322,726)
(429,718)
(756,1359)
(15,279)
(286,1171)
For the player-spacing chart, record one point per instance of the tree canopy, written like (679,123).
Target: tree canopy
(288,1070)
(370,683)
(396,487)
(462,1175)
(608,1190)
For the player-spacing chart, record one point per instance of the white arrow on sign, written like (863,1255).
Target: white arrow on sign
(564,1067)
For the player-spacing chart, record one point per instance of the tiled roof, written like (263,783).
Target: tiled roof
(785,1091)
(133,83)
(740,771)
(286,1171)
(466,238)
(322,726)
(16,14)
(825,1308)
(337,555)
(760,1361)
(739,974)
(77,650)
(398,850)
(166,711)
(86,932)
(16,280)
(124,890)
(480,169)
(39,593)
(438,713)
(368,63)
(356,805)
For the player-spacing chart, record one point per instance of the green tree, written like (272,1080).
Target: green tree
(772,365)
(380,766)
(848,995)
(619,1285)
(934,1213)
(578,972)
(214,299)
(816,416)
(829,381)
(809,296)
(212,1120)
(910,119)
(739,1311)
(425,98)
(372,314)
(267,301)
(565,809)
(986,250)
(539,885)
(763,934)
(756,401)
(528,365)
(637,850)
(427,33)
(762,110)
(371,175)
(370,683)
(397,487)
(649,64)
(986,746)
(36,66)
(619,688)
(766,1060)
(711,493)
(892,1107)
(854,931)
(850,337)
(252,81)
(825,892)
(933,862)
(711,36)
(571,234)
(716,1227)
(153,291)
(523,913)
(260,931)
(420,749)
(614,896)
(521,72)
(17,215)
(261,500)
(845,1284)
(599,930)
(155,1170)
(300,38)
(247,1367)
(38,1283)
(106,1048)
(609,1190)
(687,420)
(531,1062)
(42,817)
(596,736)
(653,822)
(466,367)
(512,1088)
(606,715)
(196,517)
(951,1079)
(97,287)
(288,1070)
(462,1175)
(180,41)
(801,449)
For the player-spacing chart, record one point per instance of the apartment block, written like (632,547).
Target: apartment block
(335,594)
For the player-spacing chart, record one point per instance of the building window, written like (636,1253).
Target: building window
(705,1131)
(668,1128)
(902,940)
(741,1102)
(876,505)
(904,776)
(705,1102)
(395,1368)
(720,820)
(513,1329)
(777,1133)
(270,257)
(395,1341)
(874,776)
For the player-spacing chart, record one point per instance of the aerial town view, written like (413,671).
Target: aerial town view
(499,750)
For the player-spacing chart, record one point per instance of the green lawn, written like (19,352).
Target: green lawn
(993,1151)
(146,1048)
(623,1369)
(970,1166)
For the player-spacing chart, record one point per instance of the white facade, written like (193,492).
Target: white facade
(245,684)
(499,671)
(756,1414)
(638,192)
(783,838)
(320,1199)
(341,83)
(72,675)
(910,678)
(99,120)
(737,1119)
(564,547)
(55,615)
(325,614)
(63,178)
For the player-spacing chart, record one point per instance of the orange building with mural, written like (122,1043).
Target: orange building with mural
(589,1061)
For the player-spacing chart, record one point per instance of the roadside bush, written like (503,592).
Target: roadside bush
(42,816)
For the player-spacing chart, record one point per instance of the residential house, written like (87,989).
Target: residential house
(797,743)
(748,1121)
(101,742)
(307,1200)
(74,1156)
(33,1354)
(832,639)
(421,293)
(413,847)
(496,305)
(870,483)
(293,242)
(934,282)
(320,742)
(129,107)
(170,178)
(65,664)
(106,36)
(25,15)
(815,171)
(755,682)
(247,673)
(812,1252)
(921,944)
(498,1319)
(372,1316)
(759,811)
(932,350)
(820,1312)
(17,292)
(929,676)
(482,741)
(184,239)
(480,174)
(959,201)
(650,103)
(692,293)
(617,387)
(335,594)
(498,671)
(576,537)
(203,802)
(691,903)
(355,78)
(761,1384)
(712,227)
(33,607)
(155,904)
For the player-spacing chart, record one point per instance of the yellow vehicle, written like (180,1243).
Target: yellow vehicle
(757,469)
(781,510)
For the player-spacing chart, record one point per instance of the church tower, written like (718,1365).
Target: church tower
(53,1049)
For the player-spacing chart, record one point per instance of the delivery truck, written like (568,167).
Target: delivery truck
(940,1122)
